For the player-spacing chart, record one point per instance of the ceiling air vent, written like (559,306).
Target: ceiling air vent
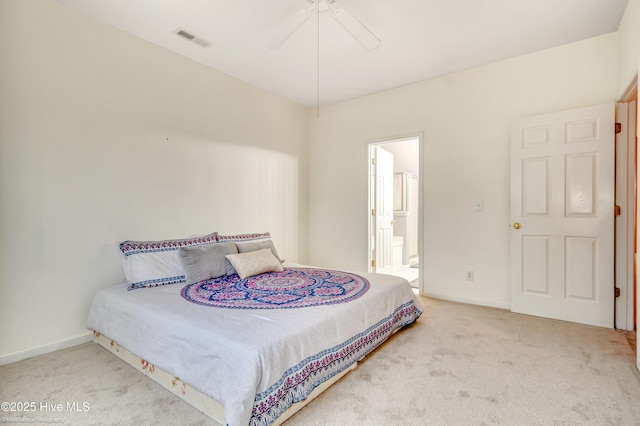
(187,35)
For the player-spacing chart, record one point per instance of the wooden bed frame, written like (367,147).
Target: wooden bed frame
(192,396)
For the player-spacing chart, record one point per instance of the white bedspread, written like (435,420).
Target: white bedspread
(233,355)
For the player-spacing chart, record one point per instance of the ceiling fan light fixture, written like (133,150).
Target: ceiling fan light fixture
(323,6)
(360,32)
(350,23)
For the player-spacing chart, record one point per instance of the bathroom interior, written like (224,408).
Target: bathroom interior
(406,184)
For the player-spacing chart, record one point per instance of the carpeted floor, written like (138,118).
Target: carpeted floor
(459,365)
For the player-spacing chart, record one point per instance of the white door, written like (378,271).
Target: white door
(383,217)
(562,233)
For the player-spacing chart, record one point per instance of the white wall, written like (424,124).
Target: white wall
(628,45)
(465,118)
(105,137)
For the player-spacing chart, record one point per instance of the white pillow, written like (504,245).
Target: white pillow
(254,262)
(155,263)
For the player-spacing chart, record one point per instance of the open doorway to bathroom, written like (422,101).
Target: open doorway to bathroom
(394,206)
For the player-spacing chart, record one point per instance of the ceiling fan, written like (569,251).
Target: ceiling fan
(357,29)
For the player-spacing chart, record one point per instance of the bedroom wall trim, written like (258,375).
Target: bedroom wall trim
(51,347)
(468,301)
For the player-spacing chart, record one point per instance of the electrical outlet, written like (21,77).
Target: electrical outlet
(469,275)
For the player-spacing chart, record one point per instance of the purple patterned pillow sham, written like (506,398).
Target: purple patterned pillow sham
(241,238)
(156,263)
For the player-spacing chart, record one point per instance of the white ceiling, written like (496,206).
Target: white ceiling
(421,39)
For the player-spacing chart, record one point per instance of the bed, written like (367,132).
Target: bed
(252,350)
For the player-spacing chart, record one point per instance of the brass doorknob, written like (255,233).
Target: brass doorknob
(516,225)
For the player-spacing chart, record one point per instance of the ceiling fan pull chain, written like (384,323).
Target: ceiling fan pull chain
(318,71)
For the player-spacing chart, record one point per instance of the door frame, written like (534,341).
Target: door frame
(625,224)
(370,144)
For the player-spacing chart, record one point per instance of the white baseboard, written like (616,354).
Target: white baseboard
(506,306)
(45,349)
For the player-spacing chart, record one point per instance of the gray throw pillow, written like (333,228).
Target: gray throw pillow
(258,245)
(206,261)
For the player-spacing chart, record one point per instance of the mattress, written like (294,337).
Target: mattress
(255,362)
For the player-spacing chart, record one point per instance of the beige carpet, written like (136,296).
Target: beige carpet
(459,365)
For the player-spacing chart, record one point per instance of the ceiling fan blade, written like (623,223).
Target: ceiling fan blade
(357,29)
(290,28)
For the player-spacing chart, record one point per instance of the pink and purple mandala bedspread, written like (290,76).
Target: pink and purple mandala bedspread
(291,288)
(300,288)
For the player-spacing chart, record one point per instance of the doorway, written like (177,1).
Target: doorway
(394,208)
